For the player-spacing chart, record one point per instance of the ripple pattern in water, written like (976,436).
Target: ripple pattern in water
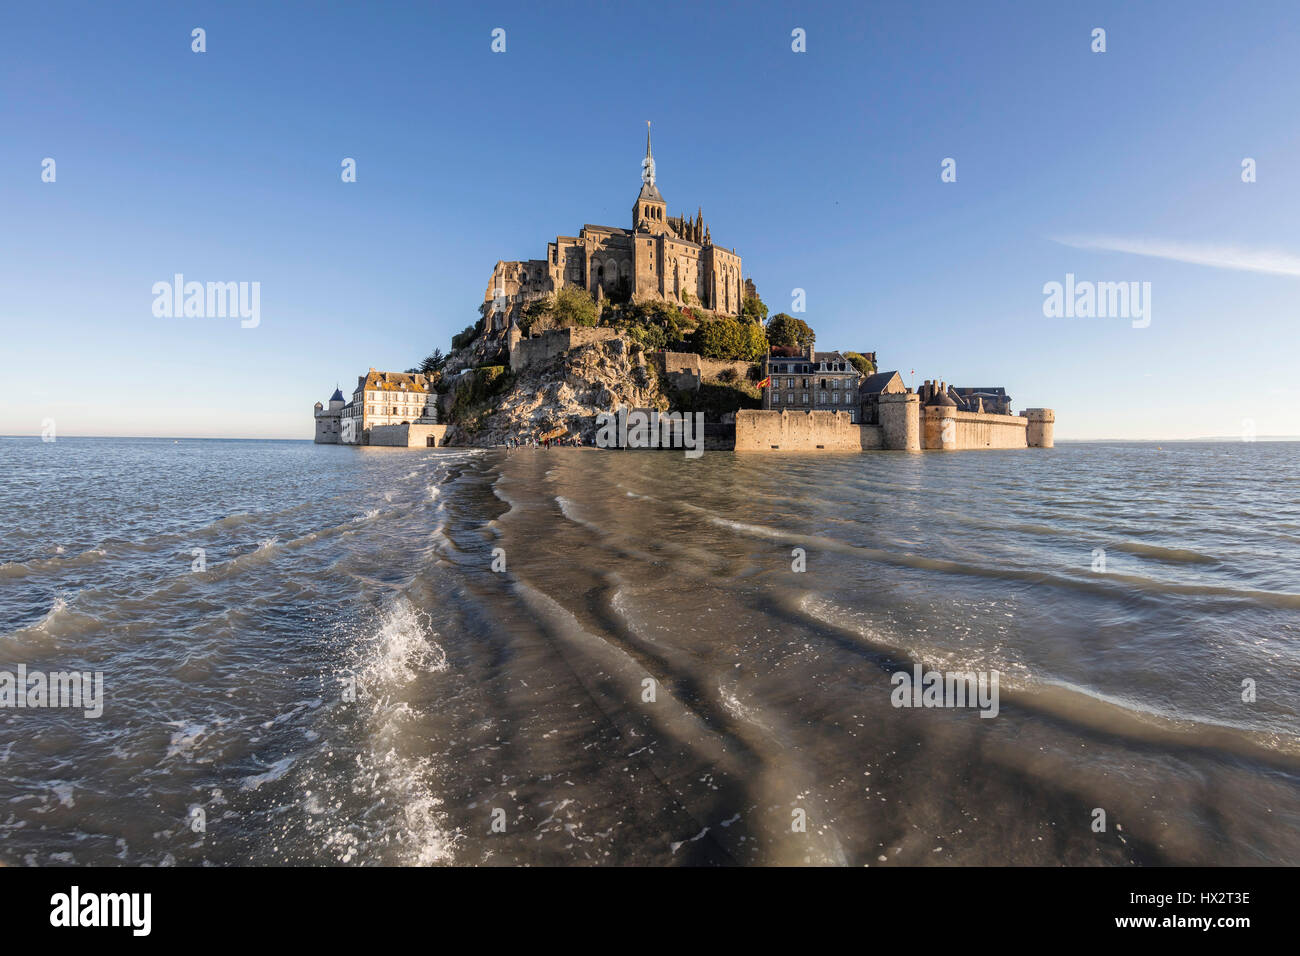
(347,680)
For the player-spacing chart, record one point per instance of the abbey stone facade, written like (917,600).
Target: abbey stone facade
(661,257)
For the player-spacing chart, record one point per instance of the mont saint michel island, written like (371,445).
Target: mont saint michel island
(627,534)
(651,336)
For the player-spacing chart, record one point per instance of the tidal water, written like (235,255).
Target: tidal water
(574,656)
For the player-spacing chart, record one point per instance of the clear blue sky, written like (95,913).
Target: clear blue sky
(822,169)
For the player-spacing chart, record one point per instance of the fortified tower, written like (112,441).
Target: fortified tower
(900,420)
(940,413)
(1042,426)
(327,420)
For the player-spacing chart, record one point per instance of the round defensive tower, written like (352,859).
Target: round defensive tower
(940,419)
(1042,427)
(900,421)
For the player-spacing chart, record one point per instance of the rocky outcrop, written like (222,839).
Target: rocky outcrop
(566,393)
(486,349)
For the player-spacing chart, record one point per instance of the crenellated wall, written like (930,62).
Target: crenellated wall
(947,429)
(905,425)
(761,430)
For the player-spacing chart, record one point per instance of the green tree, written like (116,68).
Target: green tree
(789,332)
(573,306)
(433,363)
(756,344)
(754,310)
(861,363)
(730,339)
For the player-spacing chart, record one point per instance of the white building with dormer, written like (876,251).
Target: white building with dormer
(386,398)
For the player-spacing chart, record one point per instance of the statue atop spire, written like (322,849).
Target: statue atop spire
(648,164)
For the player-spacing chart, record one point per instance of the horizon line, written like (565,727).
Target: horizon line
(1217,439)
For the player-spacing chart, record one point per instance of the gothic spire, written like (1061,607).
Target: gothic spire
(648,164)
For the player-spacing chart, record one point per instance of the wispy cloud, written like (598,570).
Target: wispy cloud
(1271,261)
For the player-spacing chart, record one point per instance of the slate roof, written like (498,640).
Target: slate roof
(650,193)
(875,383)
(393,381)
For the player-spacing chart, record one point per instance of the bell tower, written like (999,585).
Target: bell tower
(649,212)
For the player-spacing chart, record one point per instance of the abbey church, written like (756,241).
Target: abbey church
(660,257)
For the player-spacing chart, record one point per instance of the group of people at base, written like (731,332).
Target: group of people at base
(563,441)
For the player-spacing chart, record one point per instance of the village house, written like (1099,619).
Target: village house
(812,381)
(380,399)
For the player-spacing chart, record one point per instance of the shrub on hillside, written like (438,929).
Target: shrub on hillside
(652,338)
(730,339)
(573,307)
(565,308)
(477,389)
